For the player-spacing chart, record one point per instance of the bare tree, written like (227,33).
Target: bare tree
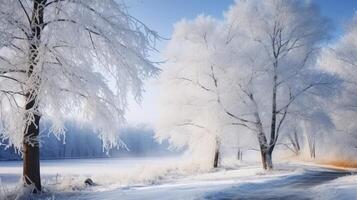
(295,142)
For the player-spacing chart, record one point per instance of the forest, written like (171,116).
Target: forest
(257,97)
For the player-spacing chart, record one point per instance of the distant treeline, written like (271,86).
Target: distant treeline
(82,143)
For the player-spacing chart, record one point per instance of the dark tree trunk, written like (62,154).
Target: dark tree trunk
(263,143)
(264,161)
(31,155)
(31,147)
(294,140)
(239,151)
(273,128)
(267,159)
(216,158)
(239,154)
(216,154)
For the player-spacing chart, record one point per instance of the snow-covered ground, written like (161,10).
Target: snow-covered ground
(340,188)
(70,174)
(168,178)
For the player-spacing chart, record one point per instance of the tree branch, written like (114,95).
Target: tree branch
(23,8)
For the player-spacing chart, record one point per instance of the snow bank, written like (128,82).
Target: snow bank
(344,188)
(69,175)
(194,186)
(139,178)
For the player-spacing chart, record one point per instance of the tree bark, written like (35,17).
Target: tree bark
(263,142)
(312,146)
(31,155)
(294,140)
(31,147)
(269,159)
(216,158)
(273,131)
(216,154)
(239,154)
(264,162)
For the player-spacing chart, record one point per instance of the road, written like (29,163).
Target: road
(296,187)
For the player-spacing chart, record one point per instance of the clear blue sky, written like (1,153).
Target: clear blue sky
(161,15)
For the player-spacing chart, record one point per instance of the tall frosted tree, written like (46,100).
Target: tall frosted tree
(190,113)
(280,42)
(340,59)
(253,69)
(68,59)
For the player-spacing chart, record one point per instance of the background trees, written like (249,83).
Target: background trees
(83,143)
(190,115)
(340,59)
(255,69)
(68,59)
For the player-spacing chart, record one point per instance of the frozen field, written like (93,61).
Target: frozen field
(167,178)
(75,171)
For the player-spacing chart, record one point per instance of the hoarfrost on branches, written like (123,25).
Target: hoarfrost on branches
(90,56)
(252,71)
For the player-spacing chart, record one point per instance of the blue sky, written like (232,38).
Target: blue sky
(161,15)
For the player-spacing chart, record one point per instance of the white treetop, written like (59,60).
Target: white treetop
(340,59)
(248,70)
(91,54)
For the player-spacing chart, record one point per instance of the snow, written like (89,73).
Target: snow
(221,80)
(74,171)
(97,74)
(126,175)
(344,188)
(169,178)
(176,186)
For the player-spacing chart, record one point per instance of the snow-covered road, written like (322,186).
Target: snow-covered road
(146,178)
(296,186)
(304,184)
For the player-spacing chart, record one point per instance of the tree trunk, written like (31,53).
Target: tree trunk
(216,158)
(294,140)
(264,162)
(31,145)
(313,149)
(216,154)
(31,155)
(267,160)
(273,128)
(263,143)
(311,141)
(240,154)
(239,151)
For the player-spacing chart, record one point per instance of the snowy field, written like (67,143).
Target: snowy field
(167,178)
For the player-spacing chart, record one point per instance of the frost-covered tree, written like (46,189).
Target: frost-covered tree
(278,43)
(62,59)
(253,69)
(190,113)
(309,126)
(340,59)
